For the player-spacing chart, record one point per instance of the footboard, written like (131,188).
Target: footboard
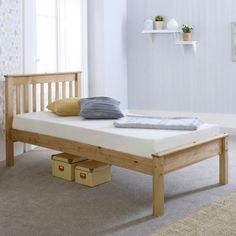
(178,158)
(32,93)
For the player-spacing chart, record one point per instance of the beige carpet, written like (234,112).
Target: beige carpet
(218,219)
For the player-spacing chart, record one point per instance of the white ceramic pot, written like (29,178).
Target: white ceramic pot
(172,24)
(159,25)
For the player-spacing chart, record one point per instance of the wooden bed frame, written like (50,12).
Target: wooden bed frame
(22,93)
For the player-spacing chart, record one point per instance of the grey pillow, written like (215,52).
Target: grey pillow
(100,108)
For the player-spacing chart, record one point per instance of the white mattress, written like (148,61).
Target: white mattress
(141,142)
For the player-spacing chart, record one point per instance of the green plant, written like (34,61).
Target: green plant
(159,18)
(187,28)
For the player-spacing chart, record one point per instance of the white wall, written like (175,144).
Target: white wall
(107,22)
(95,46)
(162,77)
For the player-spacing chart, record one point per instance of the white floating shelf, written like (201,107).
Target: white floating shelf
(164,31)
(188,43)
(177,38)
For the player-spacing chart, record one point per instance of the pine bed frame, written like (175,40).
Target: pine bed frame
(22,97)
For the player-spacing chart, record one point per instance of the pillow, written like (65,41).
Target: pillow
(65,107)
(100,108)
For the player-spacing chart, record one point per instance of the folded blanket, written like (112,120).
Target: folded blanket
(168,123)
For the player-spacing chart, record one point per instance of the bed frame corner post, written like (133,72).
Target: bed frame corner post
(9,119)
(158,186)
(223,162)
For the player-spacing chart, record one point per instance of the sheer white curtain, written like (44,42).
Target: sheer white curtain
(46,25)
(55,36)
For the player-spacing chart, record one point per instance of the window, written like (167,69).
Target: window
(46,36)
(55,36)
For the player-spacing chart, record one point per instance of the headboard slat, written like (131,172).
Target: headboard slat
(63,90)
(70,89)
(57,92)
(26,98)
(42,97)
(18,100)
(78,85)
(34,101)
(49,93)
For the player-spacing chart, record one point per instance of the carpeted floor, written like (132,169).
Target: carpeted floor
(218,219)
(32,202)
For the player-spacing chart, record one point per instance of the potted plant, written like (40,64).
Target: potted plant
(187,32)
(159,22)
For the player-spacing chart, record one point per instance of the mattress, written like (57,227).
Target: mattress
(141,142)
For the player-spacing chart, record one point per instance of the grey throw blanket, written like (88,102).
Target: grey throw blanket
(168,123)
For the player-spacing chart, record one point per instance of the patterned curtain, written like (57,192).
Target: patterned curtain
(10,44)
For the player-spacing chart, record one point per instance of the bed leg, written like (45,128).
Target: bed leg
(223,162)
(9,152)
(158,186)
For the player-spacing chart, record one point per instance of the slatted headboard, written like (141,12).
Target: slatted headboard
(24,92)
